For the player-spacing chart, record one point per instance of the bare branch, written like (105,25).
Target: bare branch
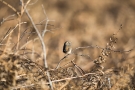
(61,61)
(43,47)
(7,19)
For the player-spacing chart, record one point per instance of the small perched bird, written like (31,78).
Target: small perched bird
(67,48)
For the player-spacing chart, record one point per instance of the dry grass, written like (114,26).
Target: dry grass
(31,43)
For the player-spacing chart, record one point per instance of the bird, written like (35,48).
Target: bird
(67,48)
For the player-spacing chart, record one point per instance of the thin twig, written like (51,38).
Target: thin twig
(7,19)
(80,71)
(21,37)
(10,7)
(23,46)
(91,46)
(5,35)
(33,2)
(19,20)
(47,21)
(61,61)
(12,30)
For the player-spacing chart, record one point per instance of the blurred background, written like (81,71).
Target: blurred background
(81,22)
